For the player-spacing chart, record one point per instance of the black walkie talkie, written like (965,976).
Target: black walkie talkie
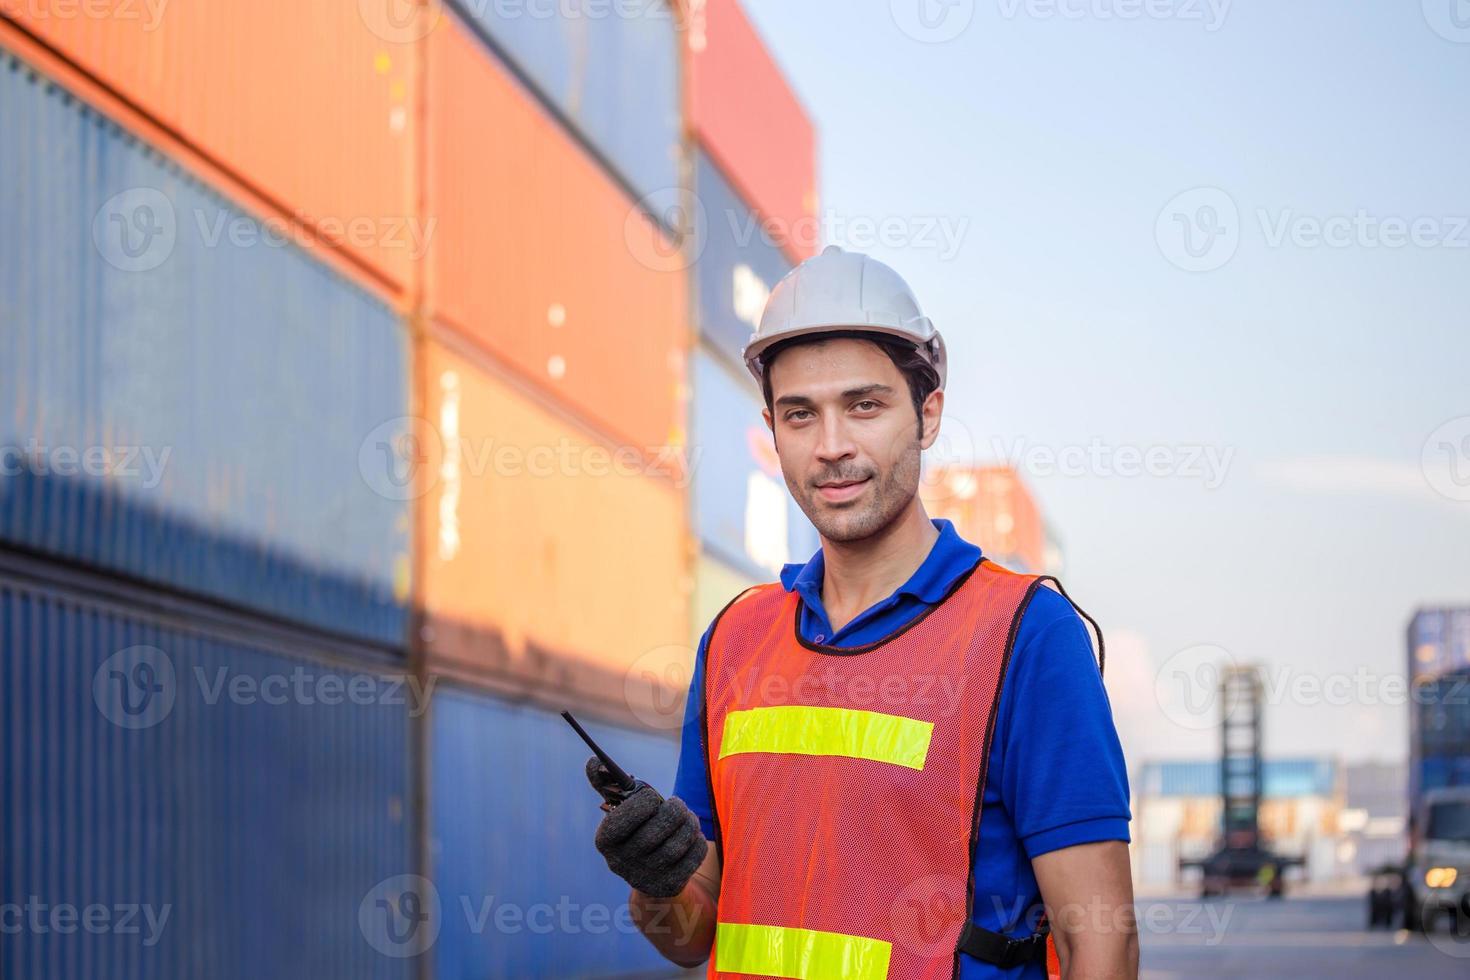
(626,784)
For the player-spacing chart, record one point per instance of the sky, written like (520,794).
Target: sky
(1227,240)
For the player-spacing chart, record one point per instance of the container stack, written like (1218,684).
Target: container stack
(755,217)
(1439,716)
(345,381)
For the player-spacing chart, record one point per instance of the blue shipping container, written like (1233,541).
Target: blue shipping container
(736,264)
(524,891)
(186,396)
(1439,641)
(743,512)
(175,803)
(610,70)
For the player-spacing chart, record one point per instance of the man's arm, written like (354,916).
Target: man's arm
(682,928)
(1088,893)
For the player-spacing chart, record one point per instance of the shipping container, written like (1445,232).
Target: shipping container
(1439,641)
(715,584)
(746,115)
(183,399)
(218,798)
(540,258)
(744,513)
(736,263)
(513,820)
(1439,727)
(544,545)
(609,71)
(308,104)
(991,507)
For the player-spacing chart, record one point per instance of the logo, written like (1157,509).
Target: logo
(136,231)
(400,21)
(928,914)
(1446,459)
(1450,19)
(1199,230)
(135,688)
(655,686)
(932,21)
(665,230)
(401,916)
(1187,686)
(401,459)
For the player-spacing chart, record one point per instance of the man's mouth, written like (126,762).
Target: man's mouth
(837,491)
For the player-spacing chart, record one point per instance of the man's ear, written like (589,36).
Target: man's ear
(932,414)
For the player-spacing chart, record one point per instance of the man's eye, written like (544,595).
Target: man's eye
(866,401)
(794,415)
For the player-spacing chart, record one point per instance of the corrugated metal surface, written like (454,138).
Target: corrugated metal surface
(534,253)
(736,265)
(611,70)
(744,514)
(744,112)
(308,102)
(990,506)
(513,820)
(540,540)
(213,835)
(180,400)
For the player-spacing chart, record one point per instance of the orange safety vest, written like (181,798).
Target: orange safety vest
(847,782)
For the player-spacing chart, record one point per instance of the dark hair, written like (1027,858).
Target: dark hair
(921,376)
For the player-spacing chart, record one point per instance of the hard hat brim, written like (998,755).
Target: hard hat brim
(928,342)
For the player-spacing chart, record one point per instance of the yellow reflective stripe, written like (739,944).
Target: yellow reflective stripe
(803,954)
(804,730)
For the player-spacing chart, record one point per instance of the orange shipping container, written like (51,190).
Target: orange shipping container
(541,544)
(991,507)
(750,121)
(540,257)
(307,105)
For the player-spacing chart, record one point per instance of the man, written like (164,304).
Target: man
(896,756)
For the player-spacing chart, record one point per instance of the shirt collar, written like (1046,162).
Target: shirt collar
(949,558)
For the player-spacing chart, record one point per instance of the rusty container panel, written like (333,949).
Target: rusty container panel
(543,545)
(747,117)
(991,507)
(309,104)
(542,260)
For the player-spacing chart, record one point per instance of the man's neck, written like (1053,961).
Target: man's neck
(858,574)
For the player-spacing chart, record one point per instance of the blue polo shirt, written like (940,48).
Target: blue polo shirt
(1057,776)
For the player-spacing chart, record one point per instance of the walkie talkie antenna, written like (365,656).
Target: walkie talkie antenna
(624,780)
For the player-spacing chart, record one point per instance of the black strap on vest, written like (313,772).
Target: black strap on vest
(1002,951)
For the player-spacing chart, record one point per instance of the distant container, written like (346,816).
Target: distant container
(199,412)
(540,258)
(742,109)
(610,70)
(991,507)
(744,514)
(309,104)
(1439,641)
(737,264)
(1439,732)
(173,776)
(715,584)
(513,820)
(543,545)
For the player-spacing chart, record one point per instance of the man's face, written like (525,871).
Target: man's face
(847,436)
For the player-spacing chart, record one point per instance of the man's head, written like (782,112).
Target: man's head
(851,413)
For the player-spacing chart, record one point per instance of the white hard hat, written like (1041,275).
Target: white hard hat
(840,290)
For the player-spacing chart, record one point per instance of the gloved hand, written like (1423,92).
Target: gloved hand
(652,843)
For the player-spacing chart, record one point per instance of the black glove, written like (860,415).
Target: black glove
(652,843)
